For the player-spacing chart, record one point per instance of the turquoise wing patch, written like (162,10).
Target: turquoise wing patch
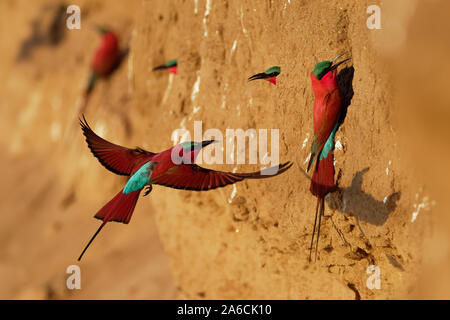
(139,179)
(329,144)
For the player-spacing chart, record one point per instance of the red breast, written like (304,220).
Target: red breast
(106,56)
(327,103)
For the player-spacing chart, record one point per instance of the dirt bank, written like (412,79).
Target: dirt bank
(247,241)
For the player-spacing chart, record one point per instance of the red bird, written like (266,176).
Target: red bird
(172,168)
(106,59)
(170,66)
(327,112)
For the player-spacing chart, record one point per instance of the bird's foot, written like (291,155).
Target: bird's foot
(148,190)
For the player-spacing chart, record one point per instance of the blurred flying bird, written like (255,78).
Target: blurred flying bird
(106,59)
(270,75)
(47,29)
(326,114)
(170,66)
(147,168)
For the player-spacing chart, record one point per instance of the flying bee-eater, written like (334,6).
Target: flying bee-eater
(270,75)
(170,66)
(145,169)
(326,117)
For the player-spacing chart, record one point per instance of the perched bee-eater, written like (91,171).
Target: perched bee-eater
(270,75)
(170,66)
(326,114)
(106,59)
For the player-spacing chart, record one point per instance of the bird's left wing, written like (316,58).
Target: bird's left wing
(194,177)
(325,129)
(115,158)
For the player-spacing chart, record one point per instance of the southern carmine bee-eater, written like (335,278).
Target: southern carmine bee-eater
(147,168)
(270,75)
(170,66)
(106,59)
(326,117)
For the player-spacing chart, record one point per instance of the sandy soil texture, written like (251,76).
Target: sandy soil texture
(250,240)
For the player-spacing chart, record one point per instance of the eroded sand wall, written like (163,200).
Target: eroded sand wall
(247,241)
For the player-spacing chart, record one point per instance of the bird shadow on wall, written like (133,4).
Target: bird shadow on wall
(354,201)
(122,55)
(345,81)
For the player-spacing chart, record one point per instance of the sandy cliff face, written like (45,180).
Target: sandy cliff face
(245,241)
(51,188)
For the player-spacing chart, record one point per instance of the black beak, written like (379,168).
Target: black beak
(161,67)
(208,142)
(335,65)
(258,76)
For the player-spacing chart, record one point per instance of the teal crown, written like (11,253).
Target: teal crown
(171,63)
(320,67)
(274,69)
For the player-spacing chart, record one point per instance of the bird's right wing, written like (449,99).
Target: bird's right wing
(194,177)
(113,157)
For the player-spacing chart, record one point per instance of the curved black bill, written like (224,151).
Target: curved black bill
(161,67)
(263,75)
(258,76)
(334,66)
(208,142)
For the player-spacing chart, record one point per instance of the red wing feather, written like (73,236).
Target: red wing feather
(324,124)
(113,157)
(331,101)
(194,177)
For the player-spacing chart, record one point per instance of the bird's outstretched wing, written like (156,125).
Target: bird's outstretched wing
(113,157)
(194,177)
